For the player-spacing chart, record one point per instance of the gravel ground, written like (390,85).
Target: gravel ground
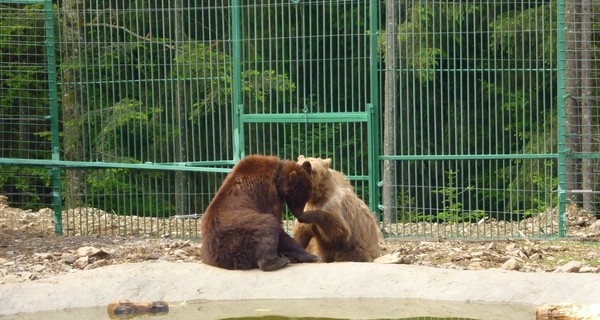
(33,259)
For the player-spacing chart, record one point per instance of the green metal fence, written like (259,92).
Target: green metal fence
(452,119)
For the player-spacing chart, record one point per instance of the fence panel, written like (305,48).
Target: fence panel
(312,61)
(28,104)
(469,119)
(452,119)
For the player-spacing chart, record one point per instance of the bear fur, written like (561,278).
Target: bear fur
(242,226)
(359,238)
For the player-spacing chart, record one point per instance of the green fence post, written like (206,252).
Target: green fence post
(53,118)
(236,81)
(373,110)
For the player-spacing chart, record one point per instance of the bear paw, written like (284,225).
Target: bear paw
(304,257)
(272,264)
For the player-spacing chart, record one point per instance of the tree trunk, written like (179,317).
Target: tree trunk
(180,115)
(74,135)
(587,103)
(389,116)
(572,89)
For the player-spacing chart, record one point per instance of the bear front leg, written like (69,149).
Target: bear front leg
(267,257)
(303,234)
(291,249)
(333,226)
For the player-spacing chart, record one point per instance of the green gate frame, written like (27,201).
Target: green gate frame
(369,116)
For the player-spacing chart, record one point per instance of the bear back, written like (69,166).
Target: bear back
(256,181)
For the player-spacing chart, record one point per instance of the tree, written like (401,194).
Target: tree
(588,87)
(389,115)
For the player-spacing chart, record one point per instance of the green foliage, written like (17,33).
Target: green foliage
(126,192)
(453,208)
(442,23)
(517,34)
(27,187)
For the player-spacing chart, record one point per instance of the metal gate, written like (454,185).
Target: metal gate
(316,111)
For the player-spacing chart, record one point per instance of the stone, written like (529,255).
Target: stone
(511,264)
(11,278)
(393,258)
(81,263)
(180,253)
(68,258)
(38,268)
(43,256)
(570,267)
(588,269)
(88,251)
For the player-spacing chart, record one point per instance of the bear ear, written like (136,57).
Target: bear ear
(327,162)
(307,167)
(301,158)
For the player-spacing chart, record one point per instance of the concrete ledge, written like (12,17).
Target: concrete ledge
(370,282)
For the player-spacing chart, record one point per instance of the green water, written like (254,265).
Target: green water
(315,309)
(312,318)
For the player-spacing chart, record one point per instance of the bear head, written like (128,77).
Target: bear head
(294,183)
(321,176)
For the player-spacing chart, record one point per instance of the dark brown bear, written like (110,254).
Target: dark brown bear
(242,226)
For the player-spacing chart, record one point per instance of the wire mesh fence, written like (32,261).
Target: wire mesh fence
(451,119)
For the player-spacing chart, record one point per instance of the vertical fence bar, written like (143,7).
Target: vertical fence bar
(52,99)
(236,79)
(373,108)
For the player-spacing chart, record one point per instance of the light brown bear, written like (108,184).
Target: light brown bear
(341,209)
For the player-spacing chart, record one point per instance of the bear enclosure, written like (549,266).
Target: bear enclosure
(452,119)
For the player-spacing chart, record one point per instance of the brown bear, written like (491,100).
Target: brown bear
(242,226)
(343,210)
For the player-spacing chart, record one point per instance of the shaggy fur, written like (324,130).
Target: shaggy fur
(356,235)
(242,226)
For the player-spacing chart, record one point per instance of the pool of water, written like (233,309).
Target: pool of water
(309,309)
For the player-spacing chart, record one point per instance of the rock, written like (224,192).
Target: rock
(68,258)
(180,253)
(595,225)
(82,262)
(3,201)
(38,268)
(27,275)
(477,254)
(571,267)
(11,278)
(588,269)
(393,258)
(511,264)
(592,256)
(475,266)
(89,252)
(43,256)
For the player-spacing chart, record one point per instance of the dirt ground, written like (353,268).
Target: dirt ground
(32,258)
(29,250)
